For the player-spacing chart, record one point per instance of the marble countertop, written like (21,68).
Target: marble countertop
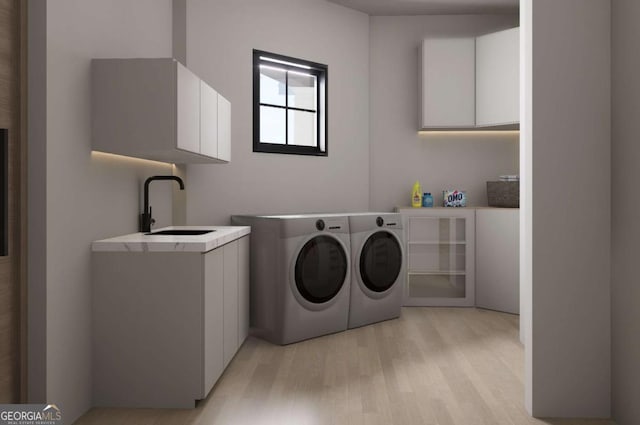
(141,242)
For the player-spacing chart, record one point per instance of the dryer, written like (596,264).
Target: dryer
(378,267)
(300,275)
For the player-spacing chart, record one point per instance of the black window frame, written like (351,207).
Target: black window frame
(321,72)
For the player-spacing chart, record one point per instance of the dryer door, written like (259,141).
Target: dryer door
(380,261)
(321,269)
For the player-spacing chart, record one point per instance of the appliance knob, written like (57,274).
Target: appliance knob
(379,221)
(320,224)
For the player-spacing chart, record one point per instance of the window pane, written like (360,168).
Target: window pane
(302,90)
(272,125)
(302,128)
(272,85)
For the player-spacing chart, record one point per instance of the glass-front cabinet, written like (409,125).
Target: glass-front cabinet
(440,247)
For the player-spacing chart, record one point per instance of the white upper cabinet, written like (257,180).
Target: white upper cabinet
(187,110)
(224,129)
(156,109)
(471,83)
(448,83)
(498,78)
(208,120)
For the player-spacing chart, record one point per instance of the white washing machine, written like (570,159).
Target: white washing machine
(378,267)
(300,275)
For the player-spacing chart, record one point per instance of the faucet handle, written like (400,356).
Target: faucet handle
(146,221)
(152,220)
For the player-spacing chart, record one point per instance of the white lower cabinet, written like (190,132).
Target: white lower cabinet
(440,247)
(243,288)
(166,324)
(213,317)
(463,257)
(230,297)
(497,259)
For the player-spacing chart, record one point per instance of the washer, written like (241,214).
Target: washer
(378,271)
(300,275)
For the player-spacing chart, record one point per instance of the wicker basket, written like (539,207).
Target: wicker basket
(503,194)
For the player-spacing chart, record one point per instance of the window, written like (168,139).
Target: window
(289,105)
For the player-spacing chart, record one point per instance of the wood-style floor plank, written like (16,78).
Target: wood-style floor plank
(433,366)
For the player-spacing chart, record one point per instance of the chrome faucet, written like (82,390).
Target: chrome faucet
(146,220)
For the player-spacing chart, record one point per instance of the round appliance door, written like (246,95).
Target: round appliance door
(380,261)
(321,269)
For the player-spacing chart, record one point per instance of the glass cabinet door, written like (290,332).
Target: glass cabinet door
(440,257)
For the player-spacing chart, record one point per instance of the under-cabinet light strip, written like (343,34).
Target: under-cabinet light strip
(107,155)
(470,132)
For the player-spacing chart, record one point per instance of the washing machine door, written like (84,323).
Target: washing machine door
(321,269)
(380,261)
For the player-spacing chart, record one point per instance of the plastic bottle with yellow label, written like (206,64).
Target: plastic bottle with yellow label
(416,195)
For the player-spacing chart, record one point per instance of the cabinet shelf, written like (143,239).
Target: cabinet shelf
(437,242)
(437,272)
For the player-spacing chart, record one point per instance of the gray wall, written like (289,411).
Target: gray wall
(569,136)
(87,196)
(399,155)
(220,38)
(625,151)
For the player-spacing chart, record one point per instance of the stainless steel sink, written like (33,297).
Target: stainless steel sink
(180,232)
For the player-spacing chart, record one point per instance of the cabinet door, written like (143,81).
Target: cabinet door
(224,128)
(188,110)
(208,120)
(230,297)
(498,78)
(448,83)
(497,260)
(213,318)
(243,289)
(441,266)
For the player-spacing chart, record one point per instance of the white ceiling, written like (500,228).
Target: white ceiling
(431,7)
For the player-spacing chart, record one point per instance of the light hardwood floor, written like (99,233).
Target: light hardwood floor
(440,366)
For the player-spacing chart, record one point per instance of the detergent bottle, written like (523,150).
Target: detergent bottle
(416,195)
(427,200)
